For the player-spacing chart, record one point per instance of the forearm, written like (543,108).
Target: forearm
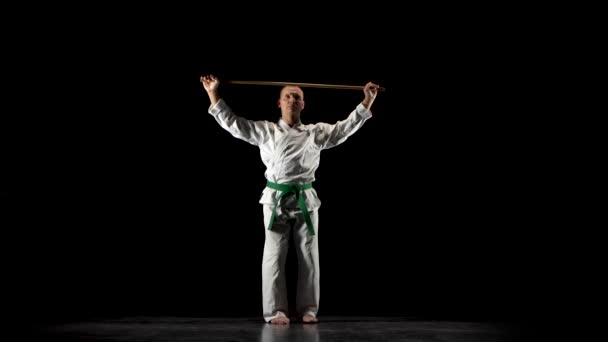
(367,103)
(214,97)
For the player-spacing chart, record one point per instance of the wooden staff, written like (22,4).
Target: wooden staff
(303,85)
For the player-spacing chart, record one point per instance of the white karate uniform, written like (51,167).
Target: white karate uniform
(291,156)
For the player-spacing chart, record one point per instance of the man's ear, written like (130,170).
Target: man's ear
(303,104)
(279,103)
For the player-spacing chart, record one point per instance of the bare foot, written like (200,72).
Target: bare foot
(309,319)
(279,320)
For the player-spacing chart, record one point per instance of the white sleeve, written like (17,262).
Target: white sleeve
(328,135)
(253,132)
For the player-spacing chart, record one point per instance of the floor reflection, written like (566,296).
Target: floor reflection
(290,332)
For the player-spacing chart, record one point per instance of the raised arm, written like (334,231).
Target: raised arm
(328,136)
(253,132)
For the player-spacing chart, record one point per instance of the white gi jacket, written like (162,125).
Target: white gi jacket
(290,154)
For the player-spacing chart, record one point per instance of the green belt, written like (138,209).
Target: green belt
(296,189)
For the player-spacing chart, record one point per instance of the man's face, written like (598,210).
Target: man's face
(291,101)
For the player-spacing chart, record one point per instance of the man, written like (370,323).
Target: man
(291,152)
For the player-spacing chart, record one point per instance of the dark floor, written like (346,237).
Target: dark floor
(254,329)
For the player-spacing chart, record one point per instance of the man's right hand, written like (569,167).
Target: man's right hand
(210,82)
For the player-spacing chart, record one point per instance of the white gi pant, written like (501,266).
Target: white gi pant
(289,220)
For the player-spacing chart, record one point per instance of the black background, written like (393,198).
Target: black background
(432,210)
